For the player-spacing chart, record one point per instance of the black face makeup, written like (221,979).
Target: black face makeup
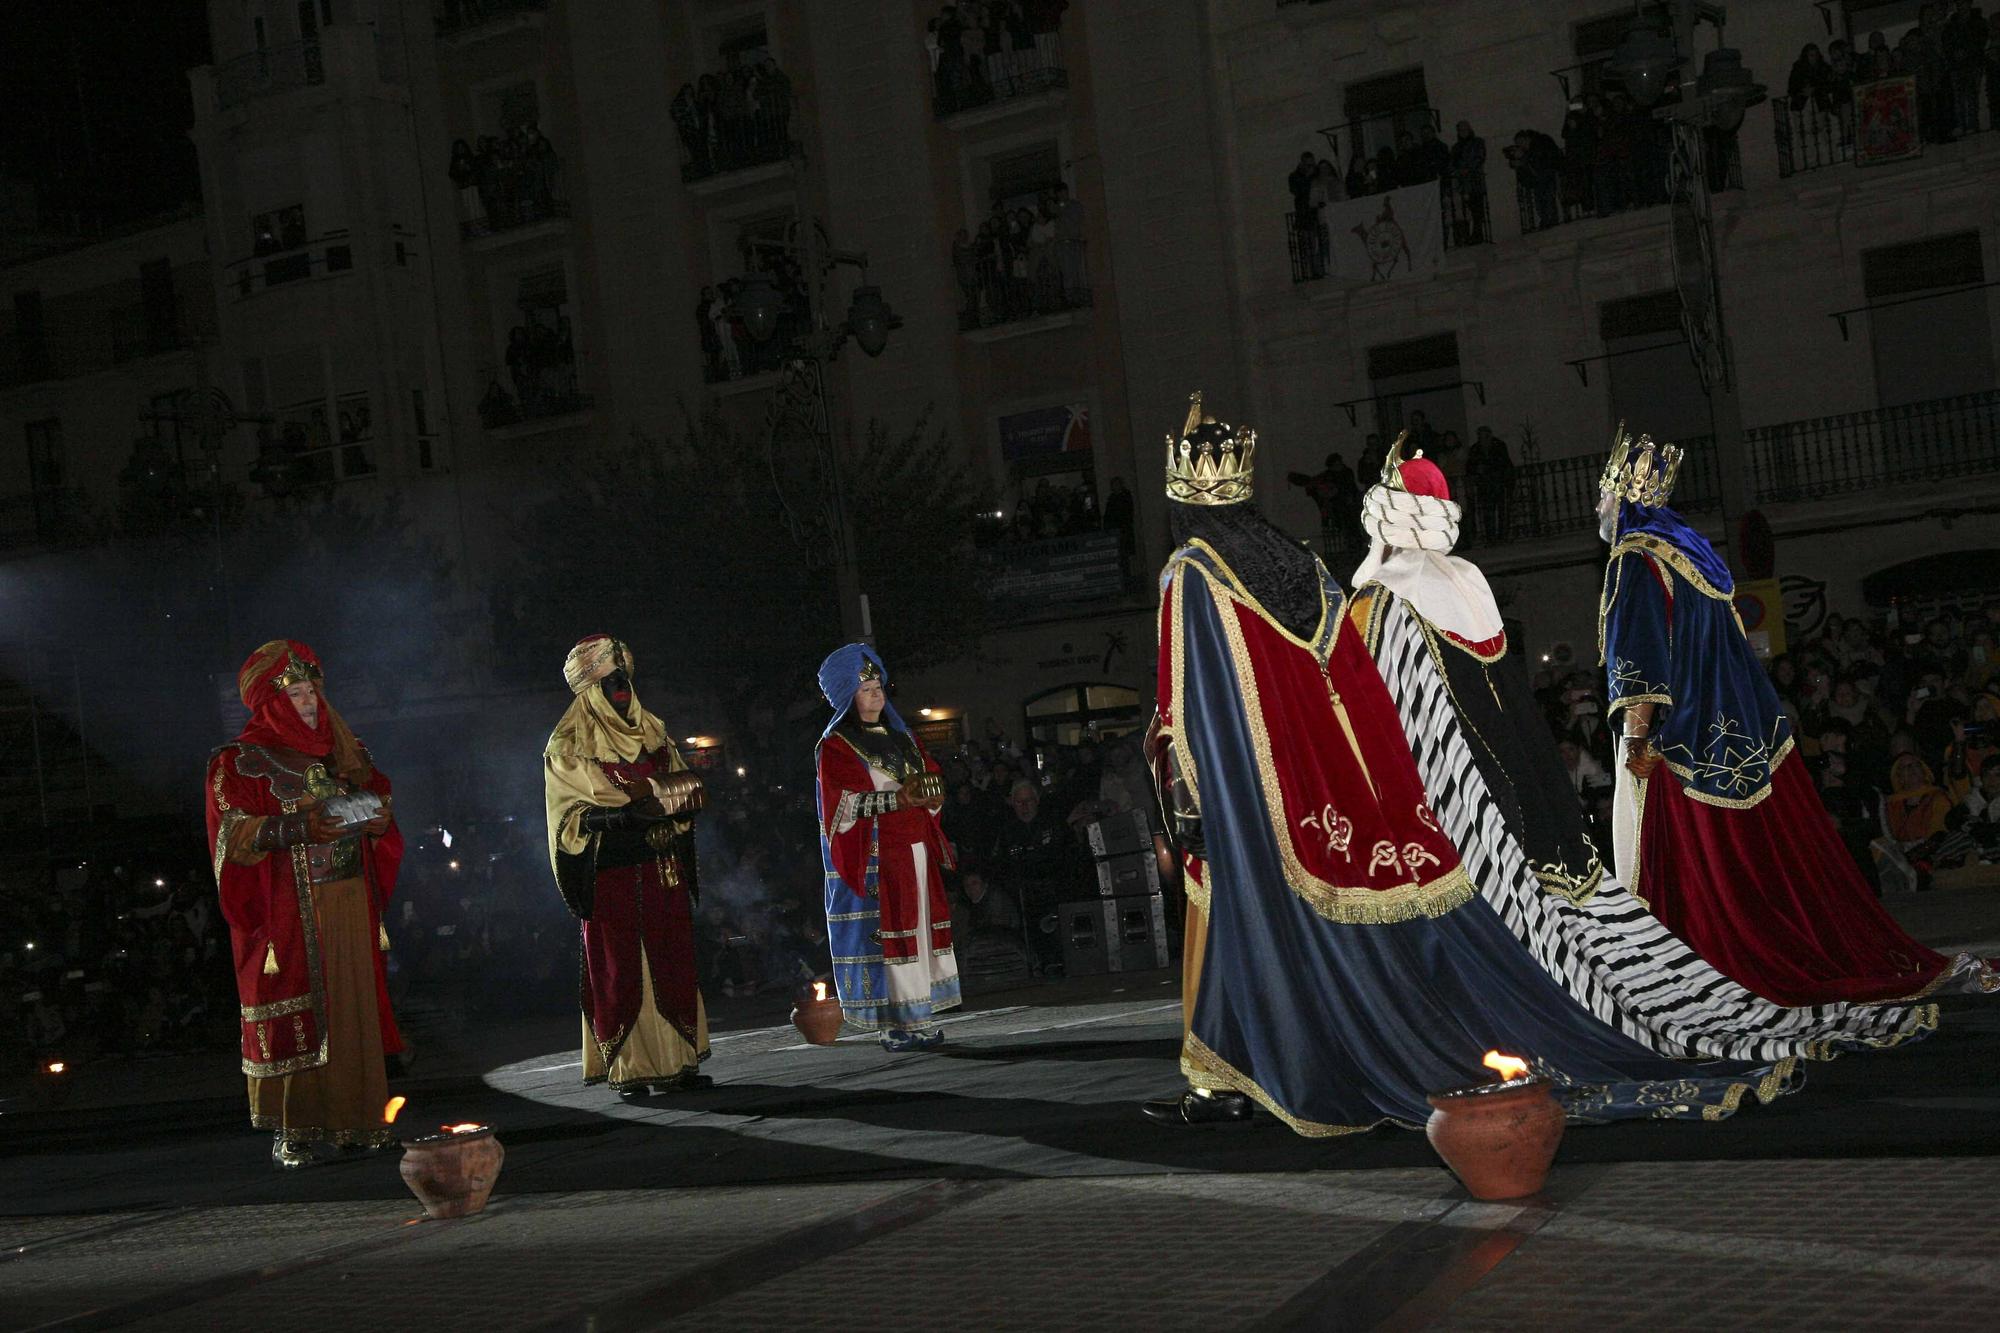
(617,688)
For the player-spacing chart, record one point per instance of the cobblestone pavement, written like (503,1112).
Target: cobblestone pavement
(1007,1183)
(1808,1245)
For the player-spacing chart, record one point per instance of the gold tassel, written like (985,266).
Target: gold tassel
(382,936)
(270,960)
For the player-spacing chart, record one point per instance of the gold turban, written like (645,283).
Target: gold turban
(593,732)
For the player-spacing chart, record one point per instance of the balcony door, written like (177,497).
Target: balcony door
(1938,346)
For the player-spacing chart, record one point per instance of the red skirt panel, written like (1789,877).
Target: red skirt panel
(1771,898)
(634,905)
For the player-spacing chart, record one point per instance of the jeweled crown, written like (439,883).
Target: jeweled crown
(869,671)
(1210,463)
(1639,470)
(297,671)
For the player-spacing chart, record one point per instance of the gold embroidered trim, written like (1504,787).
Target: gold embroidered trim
(1772,1086)
(1345,903)
(296,1064)
(340,1138)
(1195,889)
(1686,775)
(1208,1071)
(852,916)
(1176,621)
(257,1013)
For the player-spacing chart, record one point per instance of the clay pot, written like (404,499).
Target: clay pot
(451,1174)
(818,1021)
(1498,1138)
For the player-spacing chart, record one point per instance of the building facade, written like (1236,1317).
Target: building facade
(445,240)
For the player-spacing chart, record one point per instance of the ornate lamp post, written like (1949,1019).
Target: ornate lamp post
(1652,64)
(804,458)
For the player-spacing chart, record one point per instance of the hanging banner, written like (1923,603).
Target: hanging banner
(1378,237)
(1045,430)
(1885,121)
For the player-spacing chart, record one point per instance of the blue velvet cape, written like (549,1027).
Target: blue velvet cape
(1717,721)
(1337,1026)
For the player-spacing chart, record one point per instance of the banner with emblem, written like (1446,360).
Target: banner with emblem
(1379,237)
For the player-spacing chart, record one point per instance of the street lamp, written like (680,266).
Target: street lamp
(1645,62)
(804,461)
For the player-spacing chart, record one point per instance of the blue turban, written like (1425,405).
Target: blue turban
(840,677)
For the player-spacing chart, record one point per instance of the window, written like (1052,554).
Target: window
(1048,456)
(514,107)
(1417,387)
(540,352)
(1652,381)
(45,477)
(1383,109)
(355,419)
(1019,179)
(1069,713)
(45,454)
(742,45)
(1940,344)
(278,229)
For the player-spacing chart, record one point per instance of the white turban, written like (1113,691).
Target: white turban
(1419,532)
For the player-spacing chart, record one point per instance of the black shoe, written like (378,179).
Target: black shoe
(291,1156)
(1191,1108)
(687,1081)
(638,1094)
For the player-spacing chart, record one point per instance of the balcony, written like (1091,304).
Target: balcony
(1044,283)
(1464,219)
(135,335)
(273,70)
(461,19)
(510,192)
(1934,441)
(1820,128)
(719,144)
(1550,193)
(987,79)
(329,254)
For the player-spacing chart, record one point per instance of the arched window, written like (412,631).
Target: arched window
(1067,714)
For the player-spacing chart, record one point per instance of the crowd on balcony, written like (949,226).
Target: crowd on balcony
(728,351)
(1023,261)
(1415,159)
(1481,475)
(985,51)
(506,181)
(1952,52)
(541,366)
(741,117)
(1612,158)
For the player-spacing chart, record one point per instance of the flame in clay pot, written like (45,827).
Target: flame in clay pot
(393,1108)
(819,990)
(1506,1066)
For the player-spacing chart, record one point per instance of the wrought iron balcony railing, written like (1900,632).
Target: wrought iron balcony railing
(1041,281)
(517,192)
(1464,218)
(456,16)
(1933,441)
(717,144)
(986,78)
(271,70)
(1550,194)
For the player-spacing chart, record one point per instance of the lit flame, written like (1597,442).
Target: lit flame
(56,1067)
(393,1108)
(819,990)
(1506,1066)
(469,1127)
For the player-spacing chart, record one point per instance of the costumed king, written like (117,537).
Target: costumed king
(885,854)
(620,806)
(306,850)
(1716,825)
(1347,967)
(1498,785)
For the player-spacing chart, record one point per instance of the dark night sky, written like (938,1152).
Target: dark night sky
(94,106)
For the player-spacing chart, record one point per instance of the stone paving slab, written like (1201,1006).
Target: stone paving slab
(516,1266)
(61,1280)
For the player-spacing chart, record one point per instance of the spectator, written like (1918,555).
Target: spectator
(1587,777)
(1580,129)
(1468,185)
(1421,436)
(1300,182)
(1358,169)
(1813,81)
(1916,806)
(965,267)
(1337,496)
(1033,857)
(1428,159)
(1537,164)
(1491,470)
(1368,467)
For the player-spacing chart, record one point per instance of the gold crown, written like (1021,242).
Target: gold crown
(1392,466)
(297,671)
(1210,463)
(1639,470)
(869,671)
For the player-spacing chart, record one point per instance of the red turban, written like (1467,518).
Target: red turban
(1423,477)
